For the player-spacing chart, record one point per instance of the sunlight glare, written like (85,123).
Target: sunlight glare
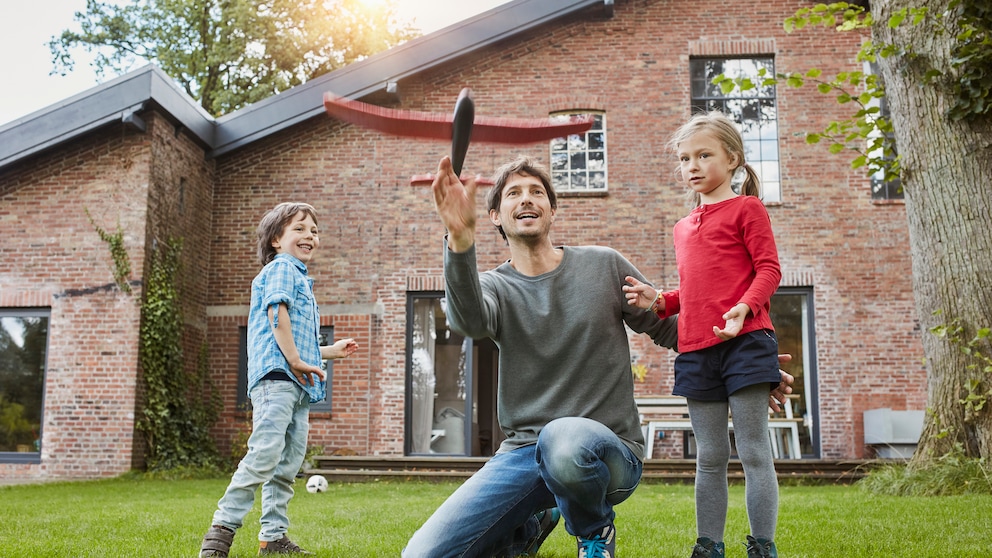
(431,15)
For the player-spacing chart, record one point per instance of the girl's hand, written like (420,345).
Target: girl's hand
(735,321)
(639,294)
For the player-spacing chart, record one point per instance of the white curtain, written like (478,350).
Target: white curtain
(423,374)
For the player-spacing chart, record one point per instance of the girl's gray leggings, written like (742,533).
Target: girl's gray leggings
(749,408)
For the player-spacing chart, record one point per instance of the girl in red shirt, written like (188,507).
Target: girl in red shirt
(728,270)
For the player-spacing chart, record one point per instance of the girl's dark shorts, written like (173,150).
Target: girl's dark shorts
(713,373)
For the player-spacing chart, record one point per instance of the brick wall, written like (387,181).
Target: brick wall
(378,232)
(380,237)
(53,258)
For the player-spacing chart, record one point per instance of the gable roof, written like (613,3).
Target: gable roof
(120,99)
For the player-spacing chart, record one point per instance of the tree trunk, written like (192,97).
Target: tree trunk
(947,177)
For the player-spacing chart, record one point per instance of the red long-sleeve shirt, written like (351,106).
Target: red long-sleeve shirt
(726,254)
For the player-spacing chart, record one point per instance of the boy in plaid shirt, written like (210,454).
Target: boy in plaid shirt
(284,378)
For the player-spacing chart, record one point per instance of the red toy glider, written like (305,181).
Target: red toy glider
(459,127)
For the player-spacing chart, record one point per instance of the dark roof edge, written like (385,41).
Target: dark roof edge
(374,73)
(117,100)
(120,99)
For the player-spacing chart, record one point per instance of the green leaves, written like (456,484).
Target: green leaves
(866,132)
(977,388)
(230,53)
(897,18)
(122,263)
(968,82)
(971,60)
(180,406)
(841,15)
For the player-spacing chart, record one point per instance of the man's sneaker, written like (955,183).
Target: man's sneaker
(599,545)
(547,519)
(760,548)
(707,548)
(281,546)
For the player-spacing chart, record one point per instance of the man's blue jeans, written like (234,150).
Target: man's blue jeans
(578,465)
(276,449)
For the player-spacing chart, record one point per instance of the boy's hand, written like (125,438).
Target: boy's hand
(639,294)
(340,349)
(306,373)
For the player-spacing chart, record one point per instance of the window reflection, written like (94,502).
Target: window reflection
(578,162)
(23,351)
(754,110)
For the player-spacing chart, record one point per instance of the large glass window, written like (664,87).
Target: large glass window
(578,162)
(23,351)
(244,402)
(438,384)
(451,384)
(754,110)
(792,316)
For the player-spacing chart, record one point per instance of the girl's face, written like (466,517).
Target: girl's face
(298,238)
(706,166)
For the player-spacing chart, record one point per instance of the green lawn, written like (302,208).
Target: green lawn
(156,518)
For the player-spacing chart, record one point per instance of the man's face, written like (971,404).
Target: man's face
(524,210)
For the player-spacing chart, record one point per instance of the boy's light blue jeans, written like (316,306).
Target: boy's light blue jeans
(578,465)
(276,449)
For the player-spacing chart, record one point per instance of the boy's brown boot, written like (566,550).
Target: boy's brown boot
(281,546)
(217,542)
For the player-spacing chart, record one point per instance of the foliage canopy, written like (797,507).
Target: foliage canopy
(227,54)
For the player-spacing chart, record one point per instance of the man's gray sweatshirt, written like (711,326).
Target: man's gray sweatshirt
(563,349)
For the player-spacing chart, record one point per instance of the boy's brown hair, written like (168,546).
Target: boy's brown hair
(274,223)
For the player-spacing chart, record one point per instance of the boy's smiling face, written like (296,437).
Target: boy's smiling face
(299,238)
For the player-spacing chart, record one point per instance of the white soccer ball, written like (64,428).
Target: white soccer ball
(316,483)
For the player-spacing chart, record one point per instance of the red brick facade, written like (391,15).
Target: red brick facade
(381,239)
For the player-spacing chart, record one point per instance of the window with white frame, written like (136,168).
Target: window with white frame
(755,111)
(23,354)
(578,162)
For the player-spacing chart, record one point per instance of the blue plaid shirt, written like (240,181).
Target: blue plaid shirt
(283,280)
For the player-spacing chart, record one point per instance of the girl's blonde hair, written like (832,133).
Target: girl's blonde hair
(274,223)
(726,132)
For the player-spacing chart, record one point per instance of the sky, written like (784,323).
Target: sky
(27,27)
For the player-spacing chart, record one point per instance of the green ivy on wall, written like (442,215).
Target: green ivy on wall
(180,407)
(122,264)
